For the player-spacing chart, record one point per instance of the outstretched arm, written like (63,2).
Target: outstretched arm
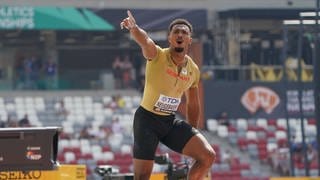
(147,45)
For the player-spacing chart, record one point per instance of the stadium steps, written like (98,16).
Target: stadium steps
(257,168)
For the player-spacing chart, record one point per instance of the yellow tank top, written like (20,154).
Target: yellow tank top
(164,86)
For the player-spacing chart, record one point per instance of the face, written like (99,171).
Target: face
(180,37)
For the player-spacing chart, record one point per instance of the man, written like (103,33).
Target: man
(170,72)
(24,122)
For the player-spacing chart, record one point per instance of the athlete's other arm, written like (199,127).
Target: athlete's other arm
(193,106)
(149,49)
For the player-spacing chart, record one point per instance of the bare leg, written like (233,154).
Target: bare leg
(201,151)
(142,169)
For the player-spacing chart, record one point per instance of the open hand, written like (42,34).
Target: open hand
(128,22)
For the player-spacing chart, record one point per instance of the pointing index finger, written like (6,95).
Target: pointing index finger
(130,15)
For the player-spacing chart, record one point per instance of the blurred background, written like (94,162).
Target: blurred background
(68,64)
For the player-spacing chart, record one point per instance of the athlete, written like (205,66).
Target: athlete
(170,73)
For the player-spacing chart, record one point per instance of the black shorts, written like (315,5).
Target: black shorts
(149,129)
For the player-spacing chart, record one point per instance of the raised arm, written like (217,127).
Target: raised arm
(147,45)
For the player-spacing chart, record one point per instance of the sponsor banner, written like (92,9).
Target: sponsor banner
(51,18)
(259,97)
(266,100)
(295,178)
(17,18)
(70,172)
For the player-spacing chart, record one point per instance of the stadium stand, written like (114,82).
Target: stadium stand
(91,136)
(266,140)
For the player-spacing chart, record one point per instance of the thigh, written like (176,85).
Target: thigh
(145,138)
(179,135)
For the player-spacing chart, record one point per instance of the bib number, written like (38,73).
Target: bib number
(167,104)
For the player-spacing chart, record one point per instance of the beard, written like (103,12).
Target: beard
(179,49)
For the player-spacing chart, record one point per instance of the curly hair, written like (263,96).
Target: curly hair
(180,21)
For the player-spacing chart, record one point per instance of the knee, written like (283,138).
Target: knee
(142,173)
(210,157)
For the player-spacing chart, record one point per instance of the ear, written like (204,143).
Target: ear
(190,41)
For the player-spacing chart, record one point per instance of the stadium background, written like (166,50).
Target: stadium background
(248,59)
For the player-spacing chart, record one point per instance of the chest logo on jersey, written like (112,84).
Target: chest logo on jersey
(176,75)
(167,104)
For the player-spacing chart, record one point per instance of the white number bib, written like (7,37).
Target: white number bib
(167,104)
